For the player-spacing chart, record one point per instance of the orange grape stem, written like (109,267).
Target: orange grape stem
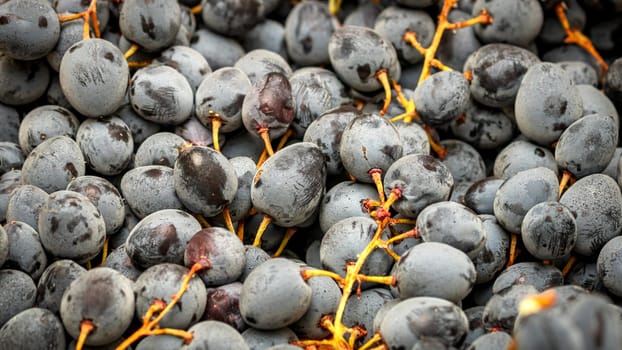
(513,244)
(569,265)
(264,133)
(89,14)
(288,235)
(216,124)
(261,230)
(86,327)
(160,309)
(575,36)
(383,77)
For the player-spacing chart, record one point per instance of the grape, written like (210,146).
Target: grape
(70,33)
(161,237)
(481,194)
(491,259)
(463,161)
(53,282)
(491,341)
(498,70)
(33,328)
(245,169)
(325,297)
(223,305)
(596,203)
(599,135)
(187,61)
(160,342)
(522,155)
(501,311)
(585,275)
(361,310)
(598,320)
(224,251)
(11,157)
(19,297)
(159,22)
(25,250)
(369,142)
(546,103)
(315,91)
(119,260)
(608,270)
(109,134)
(415,318)
(205,181)
(358,53)
(93,76)
(420,273)
(595,101)
(263,339)
(8,182)
(257,63)
(346,239)
(442,98)
(254,256)
(218,50)
(231,17)
(422,179)
(569,53)
(268,35)
(344,200)
(53,164)
(271,238)
(4,246)
(29,29)
(111,312)
(545,330)
(70,226)
(221,93)
(160,282)
(148,189)
(613,81)
(141,128)
(536,274)
(274,295)
(521,192)
(414,138)
(46,122)
(517,23)
(22,82)
(363,15)
(161,94)
(289,185)
(308,28)
(580,72)
(196,133)
(549,231)
(10,118)
(55,95)
(393,21)
(453,224)
(241,143)
(483,127)
(269,105)
(161,148)
(326,131)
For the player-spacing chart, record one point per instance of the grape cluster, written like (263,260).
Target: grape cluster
(275,174)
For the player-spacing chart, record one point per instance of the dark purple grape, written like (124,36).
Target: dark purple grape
(362,309)
(549,231)
(22,82)
(159,22)
(289,185)
(70,226)
(536,274)
(308,29)
(492,258)
(220,51)
(46,122)
(522,155)
(187,61)
(161,148)
(11,157)
(501,310)
(25,250)
(345,200)
(442,97)
(161,237)
(267,35)
(515,23)
(325,297)
(481,195)
(148,189)
(608,270)
(102,296)
(33,328)
(257,63)
(420,272)
(263,339)
(224,251)
(223,304)
(269,106)
(107,144)
(231,18)
(120,261)
(25,201)
(205,181)
(53,282)
(279,303)
(19,297)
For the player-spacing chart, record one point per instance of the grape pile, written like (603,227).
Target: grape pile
(276,174)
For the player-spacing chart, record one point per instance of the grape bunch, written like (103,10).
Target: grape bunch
(315,174)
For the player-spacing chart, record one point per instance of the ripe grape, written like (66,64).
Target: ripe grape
(159,22)
(19,297)
(32,328)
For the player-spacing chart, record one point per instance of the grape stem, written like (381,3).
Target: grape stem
(86,327)
(160,309)
(89,14)
(575,36)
